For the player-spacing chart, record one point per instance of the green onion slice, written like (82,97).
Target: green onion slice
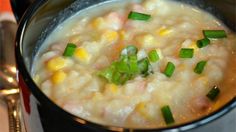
(139,16)
(169,70)
(133,64)
(203,42)
(122,67)
(143,65)
(107,73)
(214,34)
(186,53)
(213,93)
(70,49)
(116,78)
(129,50)
(124,78)
(153,56)
(200,67)
(167,114)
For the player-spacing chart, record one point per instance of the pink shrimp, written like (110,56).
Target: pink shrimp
(115,20)
(138,8)
(201,103)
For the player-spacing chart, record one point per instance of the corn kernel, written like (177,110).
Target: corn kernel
(58,77)
(111,89)
(110,36)
(163,31)
(82,54)
(141,109)
(123,35)
(193,45)
(98,23)
(56,63)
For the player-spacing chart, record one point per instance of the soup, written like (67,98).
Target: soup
(138,64)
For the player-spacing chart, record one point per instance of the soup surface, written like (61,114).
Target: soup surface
(141,64)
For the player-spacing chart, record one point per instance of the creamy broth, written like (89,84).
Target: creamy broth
(73,82)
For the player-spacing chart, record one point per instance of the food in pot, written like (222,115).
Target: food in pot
(139,64)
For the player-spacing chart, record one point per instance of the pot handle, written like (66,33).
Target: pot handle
(19,7)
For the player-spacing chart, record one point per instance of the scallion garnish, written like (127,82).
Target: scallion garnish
(200,67)
(203,42)
(107,73)
(186,53)
(214,34)
(167,114)
(126,67)
(116,78)
(122,67)
(169,70)
(153,56)
(143,65)
(139,16)
(133,64)
(129,50)
(213,93)
(69,50)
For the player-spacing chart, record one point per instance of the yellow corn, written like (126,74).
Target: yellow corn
(123,35)
(82,54)
(56,63)
(111,89)
(163,31)
(194,46)
(98,23)
(110,36)
(141,109)
(58,77)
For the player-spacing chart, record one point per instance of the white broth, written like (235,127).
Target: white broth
(100,35)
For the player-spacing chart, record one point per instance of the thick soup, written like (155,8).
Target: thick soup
(139,64)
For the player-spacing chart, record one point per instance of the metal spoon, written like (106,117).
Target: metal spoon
(8,84)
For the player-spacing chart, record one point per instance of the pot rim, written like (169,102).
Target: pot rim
(40,96)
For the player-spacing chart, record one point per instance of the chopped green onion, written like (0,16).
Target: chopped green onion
(153,56)
(139,16)
(107,73)
(200,67)
(167,114)
(143,65)
(214,34)
(150,71)
(186,53)
(129,50)
(124,58)
(122,67)
(169,70)
(124,78)
(213,93)
(70,49)
(133,64)
(203,42)
(116,78)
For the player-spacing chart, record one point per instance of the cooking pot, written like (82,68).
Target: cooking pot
(40,114)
